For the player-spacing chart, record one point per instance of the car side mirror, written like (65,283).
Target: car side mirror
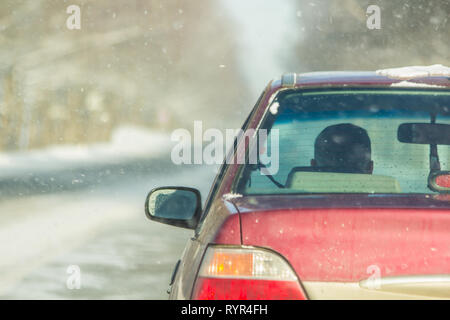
(177,206)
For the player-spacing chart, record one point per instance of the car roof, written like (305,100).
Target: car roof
(355,78)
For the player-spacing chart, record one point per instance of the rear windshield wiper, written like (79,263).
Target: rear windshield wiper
(270,177)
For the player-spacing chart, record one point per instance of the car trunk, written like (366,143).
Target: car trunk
(357,252)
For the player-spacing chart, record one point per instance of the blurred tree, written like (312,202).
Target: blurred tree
(334,34)
(130,60)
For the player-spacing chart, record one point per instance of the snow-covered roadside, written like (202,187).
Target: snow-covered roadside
(127,143)
(41,236)
(42,227)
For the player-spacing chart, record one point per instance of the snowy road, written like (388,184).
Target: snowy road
(100,228)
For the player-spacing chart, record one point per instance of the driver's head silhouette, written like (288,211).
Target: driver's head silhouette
(343,148)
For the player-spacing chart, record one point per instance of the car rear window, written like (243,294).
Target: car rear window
(300,116)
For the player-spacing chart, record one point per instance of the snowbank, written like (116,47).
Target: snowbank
(127,142)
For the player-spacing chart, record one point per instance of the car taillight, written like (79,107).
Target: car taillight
(239,273)
(443,181)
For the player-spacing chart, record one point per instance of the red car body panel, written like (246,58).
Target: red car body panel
(337,237)
(230,231)
(341,244)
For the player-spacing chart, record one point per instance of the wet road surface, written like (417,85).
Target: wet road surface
(101,229)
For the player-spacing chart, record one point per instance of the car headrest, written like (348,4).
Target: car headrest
(332,182)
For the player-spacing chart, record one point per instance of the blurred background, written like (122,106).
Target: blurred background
(86,117)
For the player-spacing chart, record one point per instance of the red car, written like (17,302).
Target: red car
(356,207)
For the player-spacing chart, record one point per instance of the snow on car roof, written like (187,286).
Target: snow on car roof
(436,76)
(411,84)
(414,72)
